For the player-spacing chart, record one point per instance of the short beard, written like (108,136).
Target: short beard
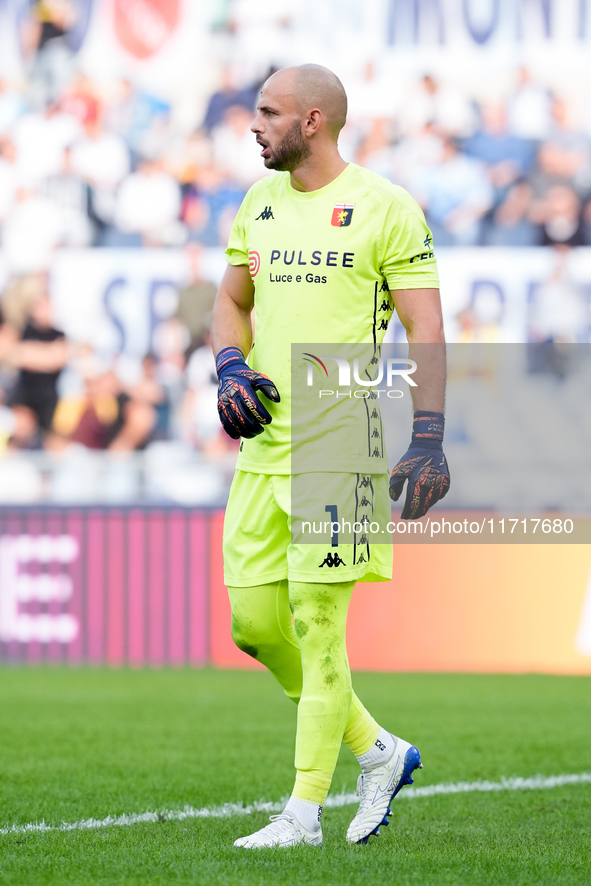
(291,151)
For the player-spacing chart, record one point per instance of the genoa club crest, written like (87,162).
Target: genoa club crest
(342,215)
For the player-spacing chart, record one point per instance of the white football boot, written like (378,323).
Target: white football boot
(284,830)
(378,787)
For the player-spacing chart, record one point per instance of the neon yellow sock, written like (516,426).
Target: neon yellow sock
(262,627)
(320,619)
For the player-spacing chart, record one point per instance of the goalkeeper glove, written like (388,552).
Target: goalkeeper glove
(424,466)
(241,412)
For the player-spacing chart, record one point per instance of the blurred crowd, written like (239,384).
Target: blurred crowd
(510,172)
(109,165)
(55,394)
(88,164)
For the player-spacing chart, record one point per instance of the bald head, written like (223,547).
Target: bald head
(313,86)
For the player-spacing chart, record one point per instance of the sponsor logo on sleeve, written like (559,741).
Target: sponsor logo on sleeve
(422,256)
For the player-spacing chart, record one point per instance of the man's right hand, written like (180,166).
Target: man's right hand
(241,412)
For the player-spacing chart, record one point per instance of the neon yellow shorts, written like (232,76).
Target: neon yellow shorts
(265,533)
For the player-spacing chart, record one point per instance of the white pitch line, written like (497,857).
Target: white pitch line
(536,782)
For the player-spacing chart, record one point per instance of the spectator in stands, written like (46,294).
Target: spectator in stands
(430,102)
(70,195)
(149,204)
(107,415)
(140,118)
(40,139)
(415,155)
(189,156)
(559,216)
(39,356)
(507,157)
(197,298)
(235,152)
(228,95)
(31,233)
(455,195)
(101,159)
(171,342)
(44,37)
(376,149)
(558,312)
(564,158)
(81,101)
(529,108)
(510,223)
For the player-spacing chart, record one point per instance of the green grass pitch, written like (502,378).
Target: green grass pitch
(76,744)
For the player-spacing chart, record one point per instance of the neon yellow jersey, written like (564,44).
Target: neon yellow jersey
(322,264)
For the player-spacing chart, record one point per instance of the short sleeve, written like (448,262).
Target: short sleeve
(409,260)
(237,251)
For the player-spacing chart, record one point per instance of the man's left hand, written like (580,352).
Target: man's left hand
(428,480)
(424,466)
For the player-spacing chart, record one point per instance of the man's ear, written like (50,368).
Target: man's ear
(313,122)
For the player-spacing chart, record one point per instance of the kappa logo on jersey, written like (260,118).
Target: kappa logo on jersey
(254,262)
(332,560)
(266,214)
(342,215)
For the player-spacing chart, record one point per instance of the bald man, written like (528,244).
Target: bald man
(321,252)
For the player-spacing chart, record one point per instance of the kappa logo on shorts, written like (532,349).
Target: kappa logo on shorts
(332,560)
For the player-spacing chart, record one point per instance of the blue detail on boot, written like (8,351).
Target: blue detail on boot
(412,761)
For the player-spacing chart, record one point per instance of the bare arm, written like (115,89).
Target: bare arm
(420,314)
(230,322)
(37,356)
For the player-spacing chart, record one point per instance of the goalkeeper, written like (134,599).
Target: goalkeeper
(324,251)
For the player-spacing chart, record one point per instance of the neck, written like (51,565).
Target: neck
(317,171)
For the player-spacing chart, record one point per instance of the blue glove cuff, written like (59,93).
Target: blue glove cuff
(427,430)
(226,357)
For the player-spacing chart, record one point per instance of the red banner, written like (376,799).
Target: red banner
(144,26)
